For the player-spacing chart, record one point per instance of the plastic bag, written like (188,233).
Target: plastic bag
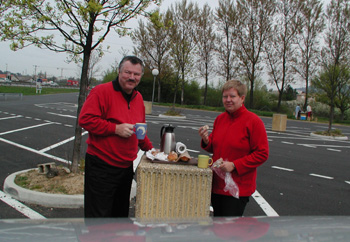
(230,184)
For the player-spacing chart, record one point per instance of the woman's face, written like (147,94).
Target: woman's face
(231,100)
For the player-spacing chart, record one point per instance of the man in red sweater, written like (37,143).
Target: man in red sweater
(239,138)
(109,114)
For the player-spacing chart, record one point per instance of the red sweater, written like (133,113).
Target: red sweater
(104,108)
(239,138)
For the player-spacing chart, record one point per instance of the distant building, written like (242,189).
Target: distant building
(25,79)
(9,76)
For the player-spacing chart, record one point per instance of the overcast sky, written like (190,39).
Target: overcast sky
(31,59)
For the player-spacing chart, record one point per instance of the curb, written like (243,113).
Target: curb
(45,199)
(53,200)
(171,117)
(329,137)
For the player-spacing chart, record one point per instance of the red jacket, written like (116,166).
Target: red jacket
(105,107)
(239,138)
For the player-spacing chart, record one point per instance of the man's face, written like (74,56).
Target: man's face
(129,76)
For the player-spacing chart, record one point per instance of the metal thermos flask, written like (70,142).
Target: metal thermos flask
(167,139)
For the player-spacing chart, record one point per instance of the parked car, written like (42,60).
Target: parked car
(289,228)
(53,84)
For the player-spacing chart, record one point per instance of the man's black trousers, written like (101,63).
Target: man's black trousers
(107,189)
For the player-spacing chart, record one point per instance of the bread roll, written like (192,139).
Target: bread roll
(172,156)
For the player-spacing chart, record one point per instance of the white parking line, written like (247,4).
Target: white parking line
(30,127)
(287,143)
(282,168)
(20,207)
(333,150)
(35,151)
(308,145)
(62,115)
(59,143)
(18,116)
(269,211)
(321,176)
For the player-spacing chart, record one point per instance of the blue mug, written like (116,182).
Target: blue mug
(140,130)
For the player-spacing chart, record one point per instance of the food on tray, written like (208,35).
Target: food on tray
(172,156)
(185,156)
(154,152)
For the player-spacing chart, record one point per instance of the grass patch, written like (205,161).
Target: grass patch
(335,133)
(22,181)
(30,90)
(173,112)
(58,189)
(36,187)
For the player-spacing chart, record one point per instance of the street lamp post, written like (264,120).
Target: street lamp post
(155,73)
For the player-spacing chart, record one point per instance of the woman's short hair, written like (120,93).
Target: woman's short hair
(238,85)
(133,59)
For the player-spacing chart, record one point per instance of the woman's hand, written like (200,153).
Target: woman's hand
(203,132)
(227,166)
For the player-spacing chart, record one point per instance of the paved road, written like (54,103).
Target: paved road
(303,176)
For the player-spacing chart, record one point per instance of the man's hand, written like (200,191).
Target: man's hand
(124,130)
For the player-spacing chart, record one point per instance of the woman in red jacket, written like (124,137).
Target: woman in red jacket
(239,138)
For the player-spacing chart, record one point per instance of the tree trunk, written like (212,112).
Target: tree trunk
(183,87)
(306,95)
(252,80)
(331,117)
(81,99)
(176,86)
(279,100)
(251,97)
(206,84)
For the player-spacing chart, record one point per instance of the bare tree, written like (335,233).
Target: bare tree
(312,25)
(205,39)
(82,25)
(226,19)
(335,53)
(181,37)
(152,42)
(280,46)
(254,23)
